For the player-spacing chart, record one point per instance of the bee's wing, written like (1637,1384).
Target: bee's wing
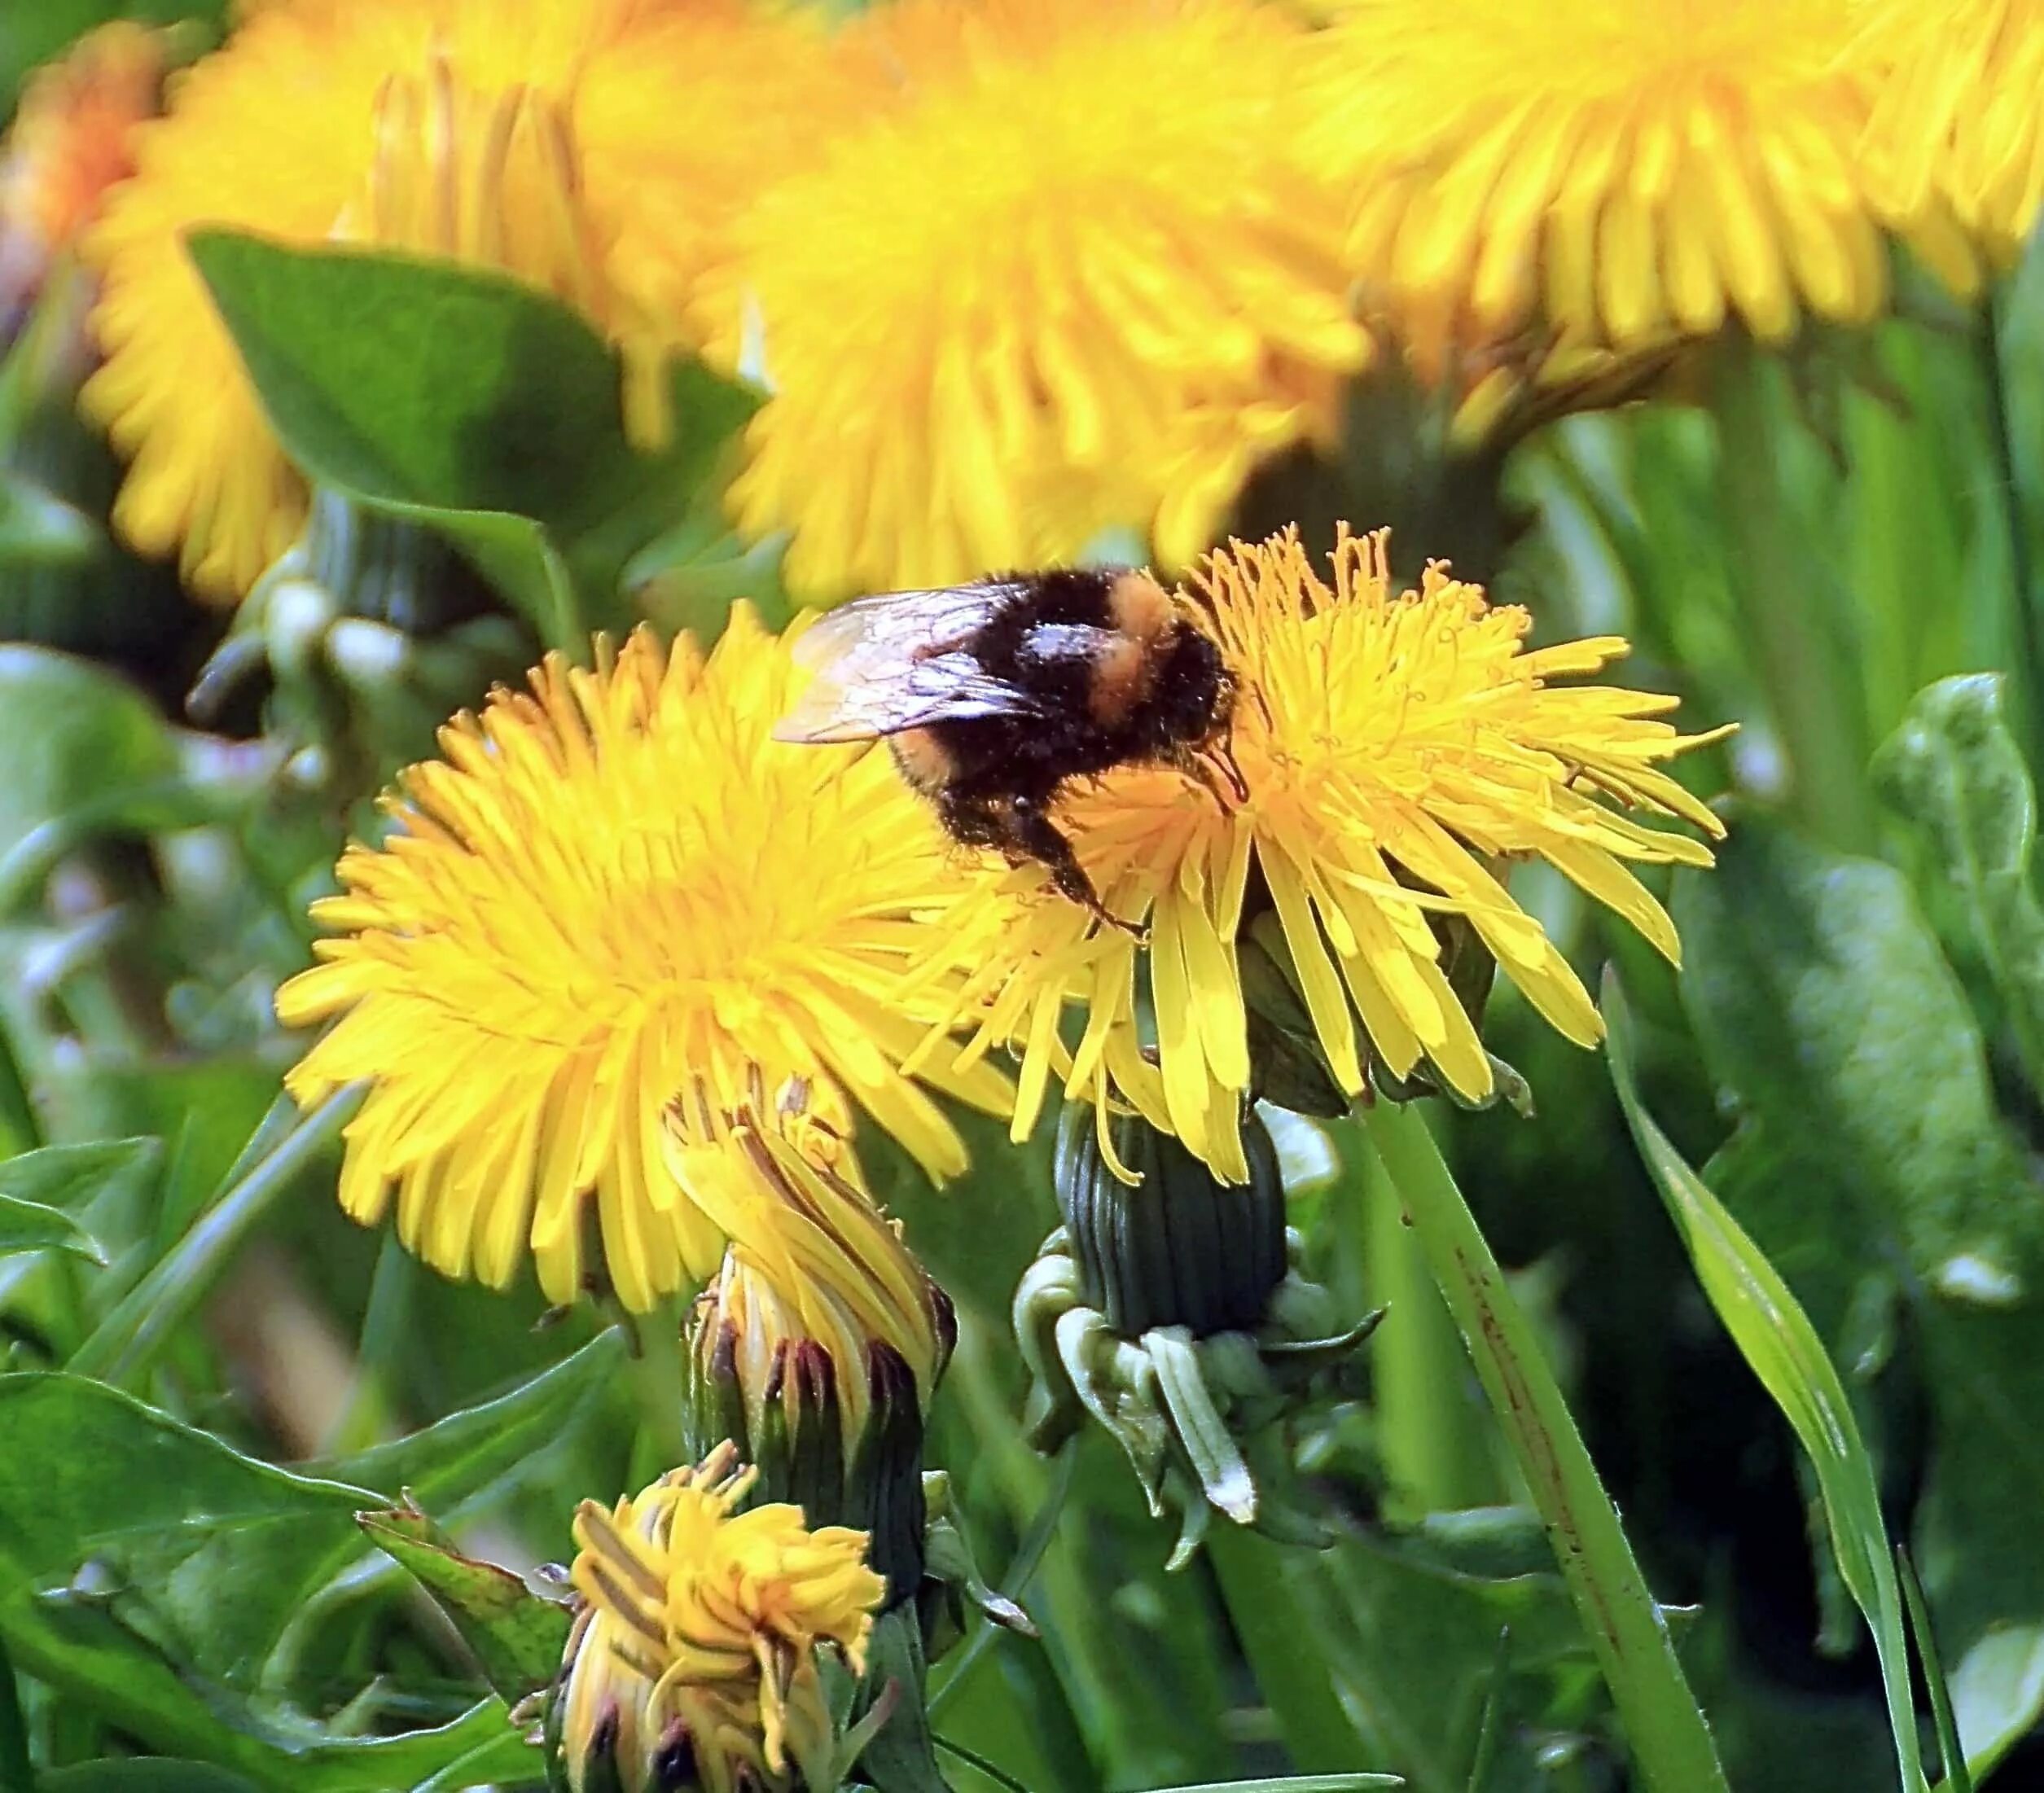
(950,687)
(902,623)
(897,661)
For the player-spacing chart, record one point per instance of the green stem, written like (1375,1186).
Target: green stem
(1021,1571)
(661,1378)
(17,1774)
(2027,644)
(1670,1739)
(1810,677)
(1434,1453)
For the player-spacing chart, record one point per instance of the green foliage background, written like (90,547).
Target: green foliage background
(1824,1341)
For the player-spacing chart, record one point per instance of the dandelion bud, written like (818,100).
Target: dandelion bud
(818,1345)
(1178,1248)
(1174,1313)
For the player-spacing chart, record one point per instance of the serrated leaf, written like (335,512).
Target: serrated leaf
(518,1638)
(464,1453)
(94,1664)
(1953,768)
(1783,1349)
(127,1469)
(465,400)
(1820,997)
(214,1554)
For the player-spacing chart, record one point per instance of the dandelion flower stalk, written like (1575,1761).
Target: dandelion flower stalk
(1664,1724)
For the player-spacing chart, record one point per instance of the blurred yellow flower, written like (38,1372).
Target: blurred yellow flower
(616,889)
(72,139)
(1396,746)
(701,1637)
(1072,273)
(514,138)
(1621,172)
(1960,112)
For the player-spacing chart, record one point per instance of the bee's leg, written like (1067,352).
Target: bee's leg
(1033,832)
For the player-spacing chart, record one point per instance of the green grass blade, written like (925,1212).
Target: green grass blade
(1487,1727)
(1782,1348)
(1951,1754)
(130,1337)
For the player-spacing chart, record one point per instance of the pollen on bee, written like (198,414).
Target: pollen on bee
(924,760)
(1138,606)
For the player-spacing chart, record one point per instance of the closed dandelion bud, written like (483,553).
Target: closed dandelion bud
(696,1660)
(1173,1311)
(1178,1247)
(818,1346)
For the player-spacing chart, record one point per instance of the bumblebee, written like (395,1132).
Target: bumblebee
(992,695)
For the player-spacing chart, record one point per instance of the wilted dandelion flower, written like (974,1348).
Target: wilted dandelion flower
(460,129)
(72,139)
(694,1661)
(811,1260)
(615,889)
(818,1345)
(1621,173)
(1959,111)
(1072,273)
(1396,746)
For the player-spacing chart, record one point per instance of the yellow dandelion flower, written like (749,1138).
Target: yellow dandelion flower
(458,129)
(1071,274)
(1960,112)
(72,139)
(1397,747)
(1621,173)
(701,1633)
(614,889)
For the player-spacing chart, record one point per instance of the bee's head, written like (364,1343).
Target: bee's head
(1196,690)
